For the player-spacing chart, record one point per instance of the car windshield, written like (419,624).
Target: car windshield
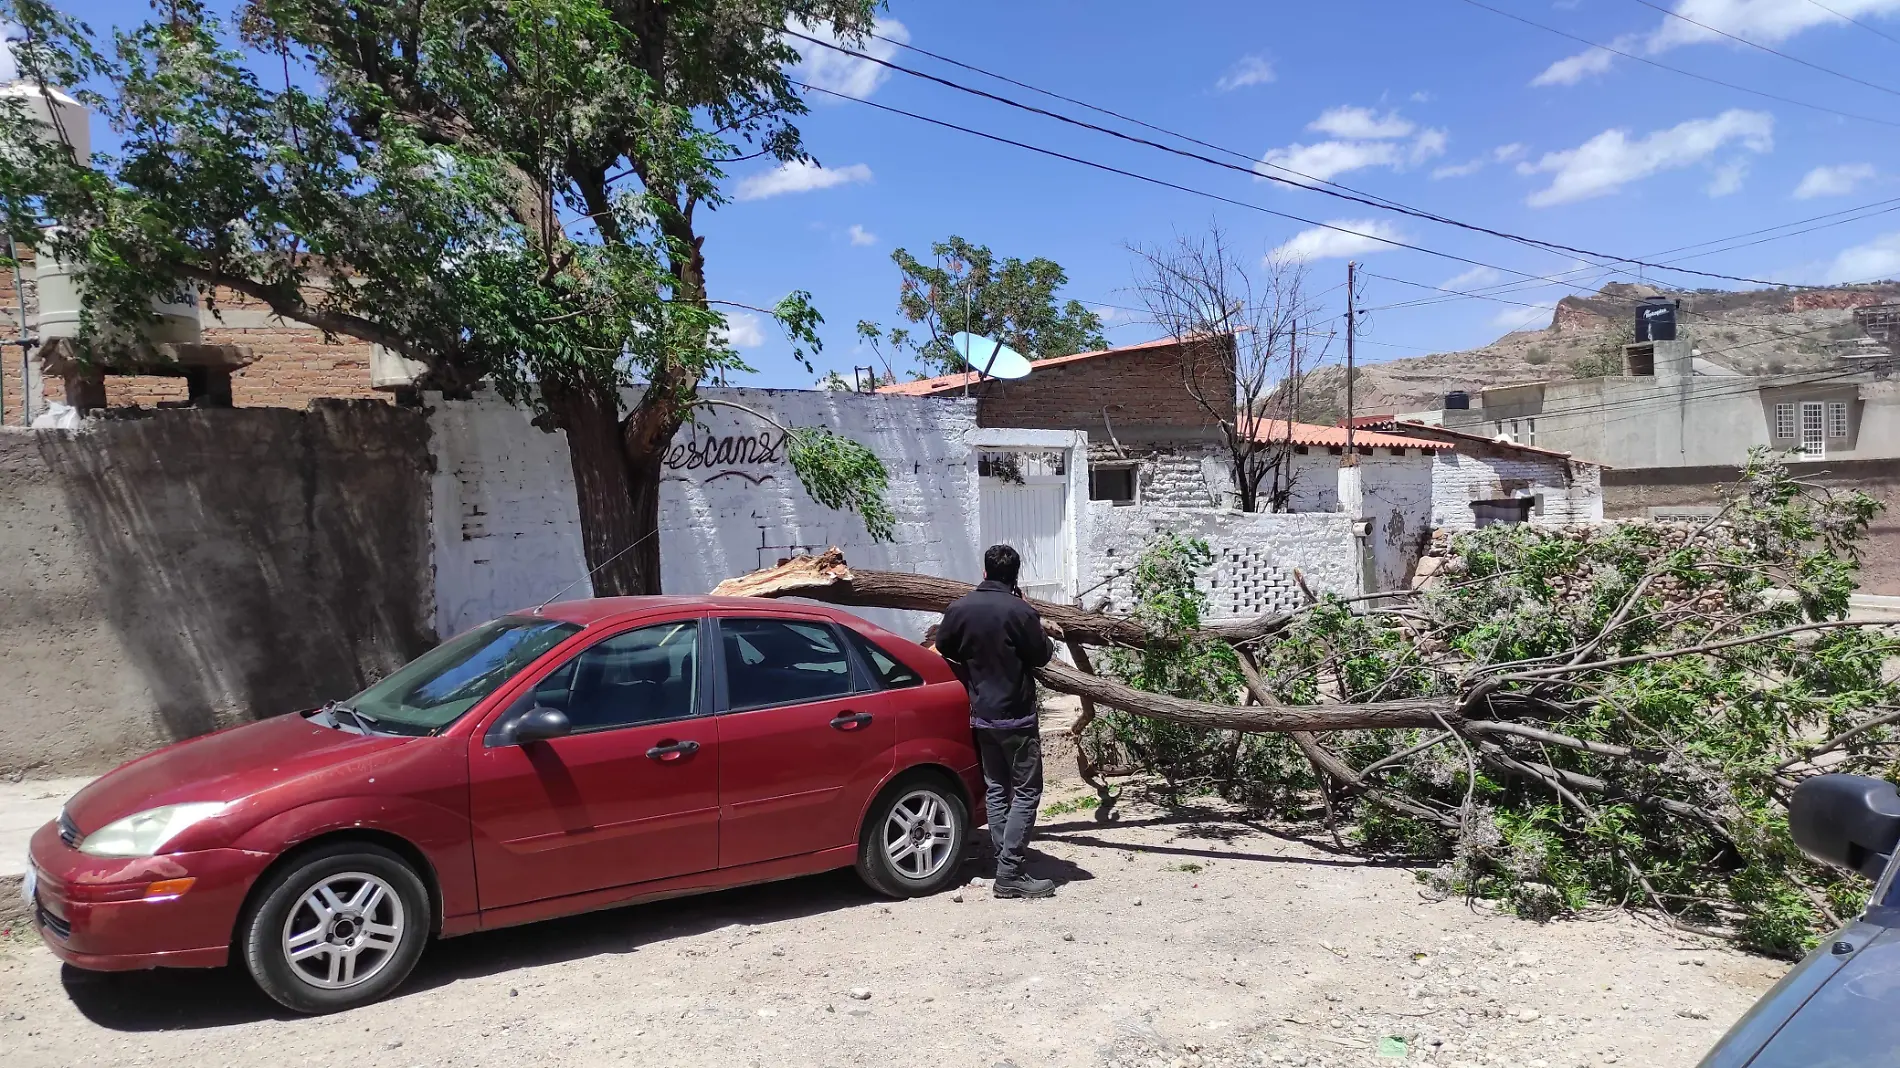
(436,688)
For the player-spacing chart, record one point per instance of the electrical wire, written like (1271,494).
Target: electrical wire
(1678,70)
(1372,202)
(1652,5)
(1849,18)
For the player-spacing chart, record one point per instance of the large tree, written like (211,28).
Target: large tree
(964,288)
(502,190)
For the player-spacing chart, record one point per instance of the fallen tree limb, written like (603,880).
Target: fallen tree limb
(1275,719)
(828,578)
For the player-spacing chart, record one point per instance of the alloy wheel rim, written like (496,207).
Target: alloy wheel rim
(343,930)
(918,834)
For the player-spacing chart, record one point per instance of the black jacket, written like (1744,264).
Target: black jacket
(994,640)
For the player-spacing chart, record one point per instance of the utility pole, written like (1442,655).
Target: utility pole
(1352,458)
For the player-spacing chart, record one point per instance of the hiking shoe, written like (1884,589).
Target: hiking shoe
(1024,886)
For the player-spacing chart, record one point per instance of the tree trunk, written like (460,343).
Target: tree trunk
(618,494)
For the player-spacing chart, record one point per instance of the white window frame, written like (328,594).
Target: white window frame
(1784,422)
(1836,419)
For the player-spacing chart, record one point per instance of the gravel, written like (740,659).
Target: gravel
(1274,952)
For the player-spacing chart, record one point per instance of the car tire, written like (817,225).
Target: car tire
(912,841)
(337,927)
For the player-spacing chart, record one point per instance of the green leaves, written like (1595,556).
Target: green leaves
(840,473)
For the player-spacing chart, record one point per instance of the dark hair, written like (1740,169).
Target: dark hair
(1001,564)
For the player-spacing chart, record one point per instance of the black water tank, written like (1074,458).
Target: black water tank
(1656,319)
(1457,401)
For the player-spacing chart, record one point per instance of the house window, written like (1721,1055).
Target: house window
(1530,428)
(1784,421)
(1299,450)
(1112,483)
(1836,419)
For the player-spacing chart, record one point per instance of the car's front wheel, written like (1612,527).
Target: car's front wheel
(340,926)
(912,842)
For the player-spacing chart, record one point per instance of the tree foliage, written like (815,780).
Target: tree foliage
(966,289)
(1628,707)
(502,190)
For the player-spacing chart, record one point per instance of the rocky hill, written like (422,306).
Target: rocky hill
(1768,331)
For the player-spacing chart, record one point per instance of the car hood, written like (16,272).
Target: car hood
(226,766)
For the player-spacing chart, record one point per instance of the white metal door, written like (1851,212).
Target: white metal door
(1028,508)
(1813,430)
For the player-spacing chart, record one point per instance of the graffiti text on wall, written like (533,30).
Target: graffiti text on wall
(740,450)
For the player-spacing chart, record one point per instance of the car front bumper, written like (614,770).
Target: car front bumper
(96,913)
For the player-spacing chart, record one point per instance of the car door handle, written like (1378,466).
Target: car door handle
(672,750)
(851,721)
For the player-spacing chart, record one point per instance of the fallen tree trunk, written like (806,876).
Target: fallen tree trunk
(1267,719)
(828,578)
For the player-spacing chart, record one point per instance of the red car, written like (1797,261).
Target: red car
(581,756)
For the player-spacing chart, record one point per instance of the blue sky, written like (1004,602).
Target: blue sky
(1435,103)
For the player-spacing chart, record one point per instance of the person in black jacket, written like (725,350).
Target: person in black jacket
(995,642)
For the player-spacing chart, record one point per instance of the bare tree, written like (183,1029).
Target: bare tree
(1248,331)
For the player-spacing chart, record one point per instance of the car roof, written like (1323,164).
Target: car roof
(592,610)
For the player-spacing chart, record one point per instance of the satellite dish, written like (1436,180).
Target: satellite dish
(991,359)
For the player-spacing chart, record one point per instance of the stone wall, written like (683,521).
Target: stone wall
(507,529)
(167,575)
(1255,555)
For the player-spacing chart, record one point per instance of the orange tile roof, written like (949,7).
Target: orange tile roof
(1335,436)
(925,387)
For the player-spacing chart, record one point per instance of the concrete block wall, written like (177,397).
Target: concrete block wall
(1107,395)
(1255,555)
(1573,492)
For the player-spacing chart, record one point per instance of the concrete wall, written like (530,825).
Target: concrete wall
(506,529)
(1255,554)
(1572,492)
(1630,423)
(164,576)
(1642,494)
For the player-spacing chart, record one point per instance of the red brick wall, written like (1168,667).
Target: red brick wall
(294,364)
(1140,388)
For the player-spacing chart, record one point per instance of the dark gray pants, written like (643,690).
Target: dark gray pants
(1012,777)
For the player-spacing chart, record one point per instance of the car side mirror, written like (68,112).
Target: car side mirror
(538,723)
(1852,821)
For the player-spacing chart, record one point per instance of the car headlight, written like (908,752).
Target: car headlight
(144,834)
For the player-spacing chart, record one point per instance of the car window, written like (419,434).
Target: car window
(433,690)
(641,676)
(782,662)
(889,671)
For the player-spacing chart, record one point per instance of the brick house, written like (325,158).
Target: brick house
(289,363)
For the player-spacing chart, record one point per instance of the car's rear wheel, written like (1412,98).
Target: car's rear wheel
(338,927)
(912,842)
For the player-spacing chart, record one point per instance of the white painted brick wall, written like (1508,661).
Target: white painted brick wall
(1255,555)
(1460,478)
(507,530)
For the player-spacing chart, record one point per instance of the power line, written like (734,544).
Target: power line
(1678,70)
(1848,18)
(1372,202)
(1771,51)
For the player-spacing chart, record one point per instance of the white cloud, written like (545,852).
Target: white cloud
(1251,70)
(1535,317)
(1835,181)
(828,68)
(1573,69)
(1361,124)
(1328,158)
(1765,21)
(1321,243)
(1728,178)
(1611,160)
(860,236)
(743,330)
(1500,154)
(1877,259)
(799,176)
(1476,276)
(1421,97)
(1365,139)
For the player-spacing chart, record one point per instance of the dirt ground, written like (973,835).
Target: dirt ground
(1182,938)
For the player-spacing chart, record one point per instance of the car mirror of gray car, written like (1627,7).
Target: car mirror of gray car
(1851,821)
